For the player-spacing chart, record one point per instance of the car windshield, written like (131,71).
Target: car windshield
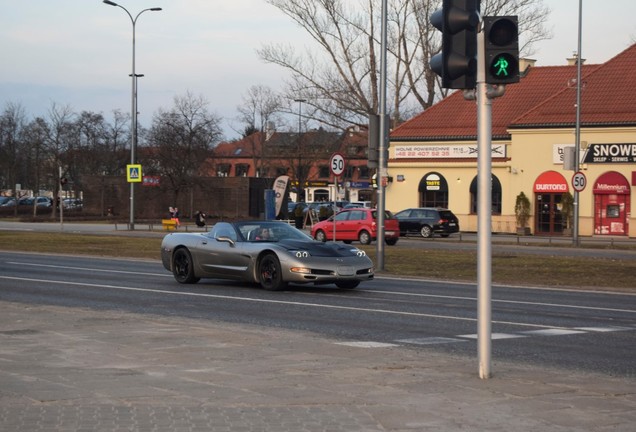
(266,231)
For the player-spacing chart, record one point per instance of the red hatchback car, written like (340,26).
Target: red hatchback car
(357,224)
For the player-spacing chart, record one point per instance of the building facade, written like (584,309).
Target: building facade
(433,157)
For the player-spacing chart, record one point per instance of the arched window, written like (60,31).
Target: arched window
(433,190)
(495,195)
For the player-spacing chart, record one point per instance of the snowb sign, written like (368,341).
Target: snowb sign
(611,153)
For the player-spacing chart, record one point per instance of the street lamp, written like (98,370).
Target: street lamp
(298,171)
(133,126)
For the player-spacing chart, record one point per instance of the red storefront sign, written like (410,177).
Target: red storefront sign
(611,183)
(611,204)
(551,182)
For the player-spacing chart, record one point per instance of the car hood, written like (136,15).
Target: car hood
(320,249)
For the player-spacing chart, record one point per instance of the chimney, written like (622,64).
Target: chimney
(525,64)
(572,61)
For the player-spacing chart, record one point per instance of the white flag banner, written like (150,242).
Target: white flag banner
(280,185)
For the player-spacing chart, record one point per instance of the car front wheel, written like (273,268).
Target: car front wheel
(183,267)
(426,231)
(270,275)
(364,237)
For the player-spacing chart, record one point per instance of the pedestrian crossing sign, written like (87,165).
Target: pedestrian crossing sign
(133,173)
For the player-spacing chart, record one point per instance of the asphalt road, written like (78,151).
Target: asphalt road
(587,331)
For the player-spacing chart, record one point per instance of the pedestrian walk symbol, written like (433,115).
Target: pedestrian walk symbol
(133,172)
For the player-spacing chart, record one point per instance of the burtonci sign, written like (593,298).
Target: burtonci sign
(611,153)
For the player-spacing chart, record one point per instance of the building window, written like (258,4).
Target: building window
(223,170)
(323,171)
(433,190)
(495,196)
(242,170)
(349,171)
(364,172)
(281,171)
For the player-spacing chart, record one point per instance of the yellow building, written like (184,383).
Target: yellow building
(433,157)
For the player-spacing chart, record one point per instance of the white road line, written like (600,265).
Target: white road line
(256,300)
(90,269)
(501,301)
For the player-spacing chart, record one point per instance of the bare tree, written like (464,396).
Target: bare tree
(181,140)
(61,132)
(340,80)
(12,122)
(260,115)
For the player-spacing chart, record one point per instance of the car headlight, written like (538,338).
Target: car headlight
(301,254)
(359,252)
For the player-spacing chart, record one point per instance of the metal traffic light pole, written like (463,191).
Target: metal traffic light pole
(484,214)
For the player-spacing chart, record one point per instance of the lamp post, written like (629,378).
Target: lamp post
(133,126)
(300,158)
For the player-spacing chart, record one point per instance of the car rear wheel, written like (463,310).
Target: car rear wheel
(321,236)
(426,231)
(347,284)
(183,267)
(364,237)
(270,275)
(391,241)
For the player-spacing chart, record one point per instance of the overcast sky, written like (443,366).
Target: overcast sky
(79,52)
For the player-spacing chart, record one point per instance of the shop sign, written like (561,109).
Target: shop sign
(551,182)
(445,151)
(359,185)
(433,182)
(151,181)
(611,183)
(611,153)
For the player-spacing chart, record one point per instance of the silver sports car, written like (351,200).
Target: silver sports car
(267,252)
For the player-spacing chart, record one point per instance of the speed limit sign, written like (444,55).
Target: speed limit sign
(337,164)
(579,181)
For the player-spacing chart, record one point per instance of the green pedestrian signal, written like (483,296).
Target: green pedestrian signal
(503,66)
(502,49)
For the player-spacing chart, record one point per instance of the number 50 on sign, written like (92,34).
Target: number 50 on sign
(579,181)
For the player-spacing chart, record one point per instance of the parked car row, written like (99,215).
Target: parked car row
(41,201)
(360,224)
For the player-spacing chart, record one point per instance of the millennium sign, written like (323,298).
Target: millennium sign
(611,153)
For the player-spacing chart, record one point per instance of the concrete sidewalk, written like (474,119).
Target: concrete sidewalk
(70,369)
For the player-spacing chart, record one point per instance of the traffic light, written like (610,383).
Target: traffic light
(501,36)
(458,20)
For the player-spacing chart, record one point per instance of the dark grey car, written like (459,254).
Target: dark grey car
(427,221)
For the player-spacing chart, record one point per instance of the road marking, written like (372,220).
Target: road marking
(495,336)
(603,329)
(558,305)
(367,344)
(552,332)
(90,269)
(257,300)
(430,340)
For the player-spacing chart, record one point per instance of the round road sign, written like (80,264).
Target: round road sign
(337,164)
(579,181)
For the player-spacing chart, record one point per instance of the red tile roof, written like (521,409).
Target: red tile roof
(545,97)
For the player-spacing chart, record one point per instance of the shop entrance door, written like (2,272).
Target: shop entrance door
(548,216)
(610,216)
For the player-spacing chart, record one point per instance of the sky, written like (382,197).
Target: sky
(78,53)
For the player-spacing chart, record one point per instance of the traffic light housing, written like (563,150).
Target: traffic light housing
(456,64)
(501,35)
